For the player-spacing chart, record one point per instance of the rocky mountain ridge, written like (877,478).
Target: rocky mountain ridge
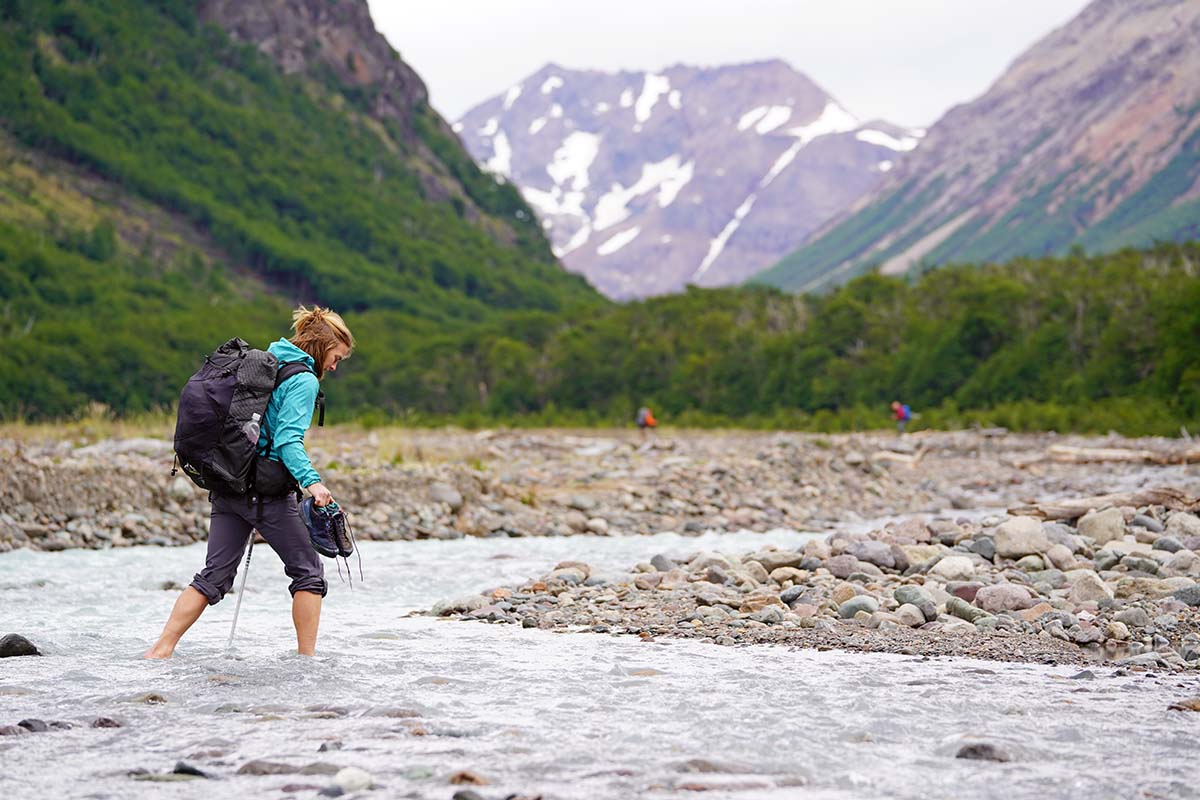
(646,182)
(1091,137)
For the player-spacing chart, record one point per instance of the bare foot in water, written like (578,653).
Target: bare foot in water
(158,652)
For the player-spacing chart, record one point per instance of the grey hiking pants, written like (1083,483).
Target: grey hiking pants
(229,533)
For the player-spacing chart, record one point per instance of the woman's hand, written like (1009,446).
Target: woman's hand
(320,495)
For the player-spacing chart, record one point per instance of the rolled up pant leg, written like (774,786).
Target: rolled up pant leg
(283,529)
(228,535)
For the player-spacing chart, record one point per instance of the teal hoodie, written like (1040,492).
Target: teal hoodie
(288,415)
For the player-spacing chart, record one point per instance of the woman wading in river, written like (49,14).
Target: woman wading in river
(320,341)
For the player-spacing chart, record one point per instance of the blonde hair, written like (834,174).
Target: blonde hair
(319,330)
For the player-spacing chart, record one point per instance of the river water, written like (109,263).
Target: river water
(413,700)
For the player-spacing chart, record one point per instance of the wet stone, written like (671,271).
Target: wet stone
(1149,523)
(263,767)
(106,722)
(184,768)
(1189,595)
(34,725)
(983,751)
(14,644)
(1168,543)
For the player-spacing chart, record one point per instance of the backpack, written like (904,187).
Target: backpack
(234,383)
(905,414)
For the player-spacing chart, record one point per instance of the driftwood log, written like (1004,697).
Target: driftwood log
(1064,454)
(1165,496)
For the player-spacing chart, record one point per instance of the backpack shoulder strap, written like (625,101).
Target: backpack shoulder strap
(290,369)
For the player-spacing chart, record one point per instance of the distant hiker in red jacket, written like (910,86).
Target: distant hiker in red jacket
(646,421)
(901,414)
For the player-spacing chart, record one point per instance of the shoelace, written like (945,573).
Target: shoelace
(341,524)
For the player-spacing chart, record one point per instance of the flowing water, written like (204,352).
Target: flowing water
(413,700)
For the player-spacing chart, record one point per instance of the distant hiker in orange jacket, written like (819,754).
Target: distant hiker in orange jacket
(646,421)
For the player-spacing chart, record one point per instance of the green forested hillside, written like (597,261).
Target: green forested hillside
(283,173)
(1077,342)
(222,192)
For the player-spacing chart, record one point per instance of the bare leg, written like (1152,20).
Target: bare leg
(187,610)
(306,615)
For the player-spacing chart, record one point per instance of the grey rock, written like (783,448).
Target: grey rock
(1003,597)
(662,563)
(954,568)
(1089,588)
(774,559)
(34,725)
(459,605)
(1056,578)
(791,594)
(581,502)
(919,597)
(985,547)
(873,552)
(1189,595)
(1168,543)
(771,615)
(1149,523)
(912,616)
(1140,564)
(445,493)
(106,722)
(1020,536)
(841,566)
(1133,617)
(184,768)
(12,730)
(1058,533)
(960,608)
(861,602)
(14,644)
(1031,563)
(1103,526)
(1182,525)
(983,751)
(264,767)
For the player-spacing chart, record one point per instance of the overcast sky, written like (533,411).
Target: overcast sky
(906,61)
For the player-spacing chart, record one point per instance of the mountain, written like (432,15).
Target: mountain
(173,173)
(1092,137)
(646,182)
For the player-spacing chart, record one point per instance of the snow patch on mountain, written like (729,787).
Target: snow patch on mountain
(511,96)
(668,176)
(501,160)
(573,159)
(551,83)
(884,140)
(765,119)
(653,87)
(617,242)
(833,119)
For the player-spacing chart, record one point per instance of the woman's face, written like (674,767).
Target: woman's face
(334,356)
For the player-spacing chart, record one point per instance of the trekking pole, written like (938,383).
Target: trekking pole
(240,592)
